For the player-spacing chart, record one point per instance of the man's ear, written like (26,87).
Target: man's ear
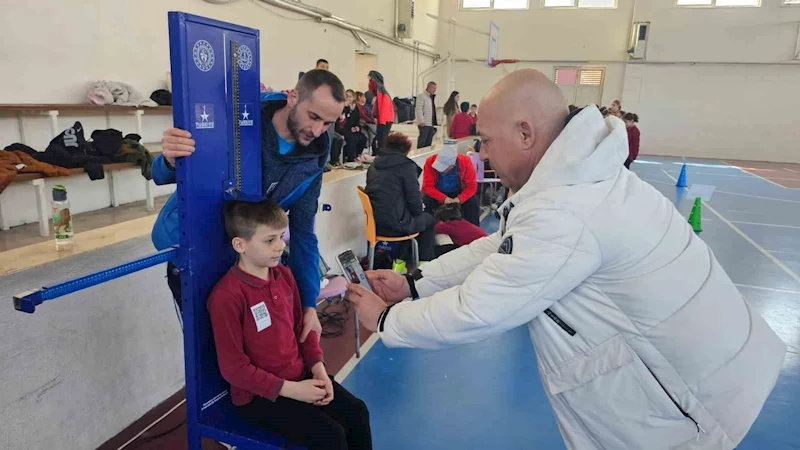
(291,97)
(526,133)
(238,245)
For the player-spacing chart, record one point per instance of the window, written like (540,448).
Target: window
(791,2)
(581,85)
(581,3)
(494,4)
(723,3)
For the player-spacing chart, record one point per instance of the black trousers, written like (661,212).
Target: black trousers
(380,135)
(341,425)
(426,241)
(174,282)
(470,209)
(425,136)
(628,164)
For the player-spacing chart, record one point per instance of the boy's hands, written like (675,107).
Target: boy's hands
(306,391)
(319,373)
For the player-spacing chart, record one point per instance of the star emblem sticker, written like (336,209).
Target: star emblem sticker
(204,116)
(245,114)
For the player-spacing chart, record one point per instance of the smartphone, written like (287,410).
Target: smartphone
(351,269)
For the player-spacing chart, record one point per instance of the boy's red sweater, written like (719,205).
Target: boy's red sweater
(257,362)
(460,231)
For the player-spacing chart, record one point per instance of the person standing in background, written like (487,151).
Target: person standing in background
(631,120)
(450,111)
(462,123)
(383,108)
(426,115)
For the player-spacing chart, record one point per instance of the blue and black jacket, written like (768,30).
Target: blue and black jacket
(293,181)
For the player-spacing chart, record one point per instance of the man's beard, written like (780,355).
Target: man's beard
(294,127)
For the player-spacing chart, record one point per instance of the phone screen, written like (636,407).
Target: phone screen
(351,269)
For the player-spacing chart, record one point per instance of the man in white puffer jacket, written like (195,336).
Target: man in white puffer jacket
(642,340)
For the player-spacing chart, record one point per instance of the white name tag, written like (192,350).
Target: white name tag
(261,316)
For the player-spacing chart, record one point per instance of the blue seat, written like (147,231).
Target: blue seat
(220,421)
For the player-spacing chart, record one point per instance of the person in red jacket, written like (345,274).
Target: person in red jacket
(382,108)
(277,383)
(631,120)
(462,123)
(450,177)
(449,221)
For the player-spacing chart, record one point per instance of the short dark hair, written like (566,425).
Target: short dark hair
(314,79)
(448,212)
(464,106)
(242,218)
(473,105)
(351,91)
(359,94)
(321,61)
(631,116)
(430,83)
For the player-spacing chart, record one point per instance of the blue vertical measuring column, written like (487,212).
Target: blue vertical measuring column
(215,80)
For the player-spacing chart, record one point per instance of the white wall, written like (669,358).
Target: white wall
(688,102)
(128,41)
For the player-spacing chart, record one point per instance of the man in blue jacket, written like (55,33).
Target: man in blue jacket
(295,149)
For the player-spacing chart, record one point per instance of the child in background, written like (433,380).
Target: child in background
(462,123)
(631,120)
(276,383)
(449,221)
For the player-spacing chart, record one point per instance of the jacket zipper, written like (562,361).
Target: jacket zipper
(559,322)
(682,411)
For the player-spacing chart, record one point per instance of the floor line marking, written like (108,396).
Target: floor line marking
(764,288)
(755,196)
(783,251)
(790,170)
(766,224)
(757,176)
(353,362)
(749,175)
(152,425)
(751,241)
(744,212)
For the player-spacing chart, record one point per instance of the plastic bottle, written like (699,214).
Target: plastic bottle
(62,219)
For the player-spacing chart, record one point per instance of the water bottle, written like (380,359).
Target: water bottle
(62,219)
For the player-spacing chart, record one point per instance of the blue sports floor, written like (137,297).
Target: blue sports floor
(489,396)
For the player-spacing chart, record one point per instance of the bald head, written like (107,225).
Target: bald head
(520,117)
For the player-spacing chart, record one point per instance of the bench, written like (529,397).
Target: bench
(112,175)
(21,110)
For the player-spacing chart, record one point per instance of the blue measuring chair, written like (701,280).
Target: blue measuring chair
(216,96)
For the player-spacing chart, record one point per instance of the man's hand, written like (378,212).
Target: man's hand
(319,373)
(368,305)
(176,143)
(306,391)
(310,323)
(389,285)
(449,200)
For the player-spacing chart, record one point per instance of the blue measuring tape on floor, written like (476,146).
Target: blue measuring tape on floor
(216,97)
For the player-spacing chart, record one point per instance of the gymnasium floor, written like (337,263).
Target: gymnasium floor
(488,395)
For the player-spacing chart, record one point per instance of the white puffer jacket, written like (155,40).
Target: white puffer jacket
(642,340)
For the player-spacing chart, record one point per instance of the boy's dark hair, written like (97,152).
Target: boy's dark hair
(321,60)
(473,105)
(464,106)
(359,94)
(242,218)
(631,116)
(314,79)
(448,212)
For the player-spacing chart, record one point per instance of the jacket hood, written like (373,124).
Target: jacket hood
(390,159)
(590,149)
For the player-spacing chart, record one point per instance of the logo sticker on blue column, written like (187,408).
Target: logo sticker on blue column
(203,55)
(203,116)
(245,57)
(246,115)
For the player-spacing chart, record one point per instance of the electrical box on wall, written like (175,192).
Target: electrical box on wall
(638,45)
(405,19)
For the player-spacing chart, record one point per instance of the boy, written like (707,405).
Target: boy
(449,221)
(277,383)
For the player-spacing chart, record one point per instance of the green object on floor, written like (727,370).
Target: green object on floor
(695,218)
(399,266)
